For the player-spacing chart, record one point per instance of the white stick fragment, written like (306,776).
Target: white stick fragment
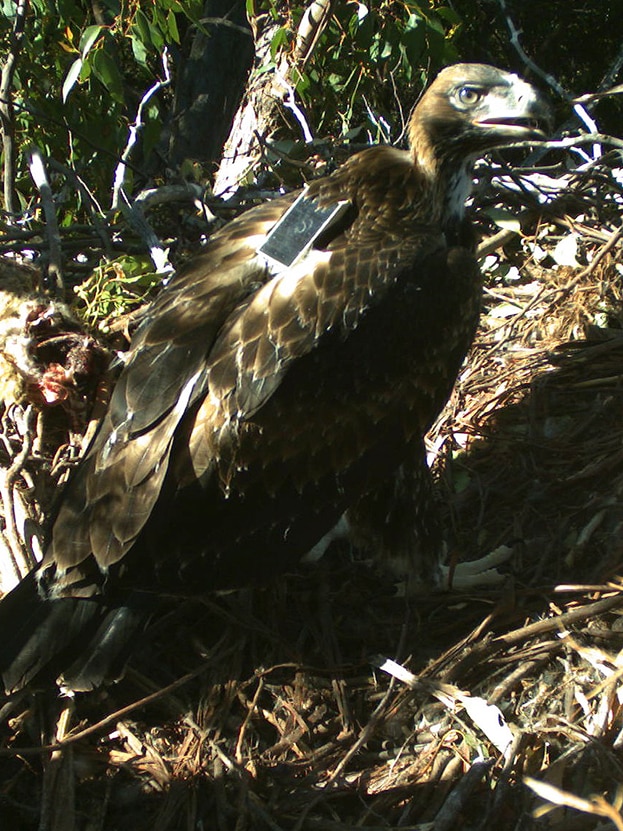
(487,717)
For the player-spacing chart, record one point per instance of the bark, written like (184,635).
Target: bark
(254,122)
(262,108)
(211,83)
(6,105)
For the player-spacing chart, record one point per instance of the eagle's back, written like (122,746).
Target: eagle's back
(337,428)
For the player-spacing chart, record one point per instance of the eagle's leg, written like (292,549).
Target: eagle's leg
(399,522)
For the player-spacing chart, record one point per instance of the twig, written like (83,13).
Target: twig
(186,192)
(483,650)
(8,477)
(105,722)
(256,805)
(558,294)
(6,105)
(614,70)
(614,238)
(40,178)
(448,815)
(121,170)
(603,88)
(135,216)
(515,34)
(363,737)
(554,624)
(134,213)
(250,713)
(579,110)
(595,805)
(223,21)
(95,209)
(310,28)
(289,101)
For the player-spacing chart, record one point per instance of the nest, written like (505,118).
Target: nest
(327,701)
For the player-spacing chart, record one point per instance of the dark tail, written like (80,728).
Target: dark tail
(80,641)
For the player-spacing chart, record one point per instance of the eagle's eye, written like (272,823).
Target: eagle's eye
(469,95)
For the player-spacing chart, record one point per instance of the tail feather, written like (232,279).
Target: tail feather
(78,639)
(109,649)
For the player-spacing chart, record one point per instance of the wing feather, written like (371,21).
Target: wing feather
(216,345)
(112,494)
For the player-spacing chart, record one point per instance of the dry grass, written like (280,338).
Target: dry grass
(268,709)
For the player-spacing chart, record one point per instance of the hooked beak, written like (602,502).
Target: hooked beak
(518,115)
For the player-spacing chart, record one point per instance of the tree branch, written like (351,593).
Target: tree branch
(6,105)
(55,256)
(312,24)
(120,172)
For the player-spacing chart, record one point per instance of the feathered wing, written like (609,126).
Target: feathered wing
(113,492)
(219,341)
(221,390)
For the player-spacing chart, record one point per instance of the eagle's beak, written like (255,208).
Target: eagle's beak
(519,114)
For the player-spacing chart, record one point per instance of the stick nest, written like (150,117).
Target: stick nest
(501,707)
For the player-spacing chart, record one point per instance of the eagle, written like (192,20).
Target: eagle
(277,389)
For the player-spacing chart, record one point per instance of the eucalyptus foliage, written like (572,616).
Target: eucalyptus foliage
(93,84)
(78,81)
(371,56)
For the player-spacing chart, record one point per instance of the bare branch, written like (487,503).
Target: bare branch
(515,34)
(55,256)
(6,104)
(95,209)
(120,172)
(135,216)
(312,25)
(22,557)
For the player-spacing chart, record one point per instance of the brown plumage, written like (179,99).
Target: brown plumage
(259,405)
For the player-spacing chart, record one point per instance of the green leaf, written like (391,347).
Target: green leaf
(141,28)
(449,15)
(279,39)
(106,70)
(302,84)
(387,50)
(172,27)
(71,78)
(155,32)
(88,38)
(267,67)
(138,50)
(412,42)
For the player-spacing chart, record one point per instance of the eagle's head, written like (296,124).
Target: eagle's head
(467,110)
(470,108)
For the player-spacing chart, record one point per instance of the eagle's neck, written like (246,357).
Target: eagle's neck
(447,179)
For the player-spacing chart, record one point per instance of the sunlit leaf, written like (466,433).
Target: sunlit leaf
(138,50)
(279,39)
(71,78)
(89,36)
